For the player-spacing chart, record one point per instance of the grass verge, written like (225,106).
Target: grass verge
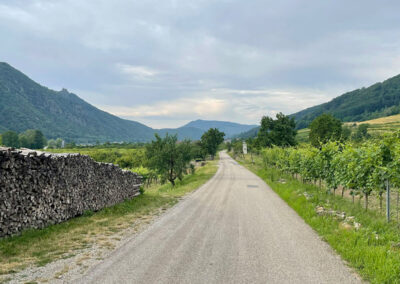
(373,249)
(39,247)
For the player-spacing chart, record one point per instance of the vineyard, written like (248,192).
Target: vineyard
(341,191)
(370,168)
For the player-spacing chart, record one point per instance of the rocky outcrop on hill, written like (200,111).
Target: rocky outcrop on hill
(38,189)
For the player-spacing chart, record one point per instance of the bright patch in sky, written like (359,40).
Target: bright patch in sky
(164,63)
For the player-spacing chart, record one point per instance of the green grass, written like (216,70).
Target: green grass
(302,135)
(372,250)
(39,247)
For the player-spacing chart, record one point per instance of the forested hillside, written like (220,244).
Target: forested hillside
(24,104)
(378,100)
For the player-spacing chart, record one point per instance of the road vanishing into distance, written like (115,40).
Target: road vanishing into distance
(234,229)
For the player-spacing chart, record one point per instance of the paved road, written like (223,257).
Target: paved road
(234,229)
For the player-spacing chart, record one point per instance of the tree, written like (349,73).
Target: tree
(198,151)
(54,144)
(168,158)
(278,132)
(10,139)
(228,146)
(184,157)
(324,128)
(210,141)
(59,143)
(346,132)
(361,132)
(23,141)
(33,139)
(51,144)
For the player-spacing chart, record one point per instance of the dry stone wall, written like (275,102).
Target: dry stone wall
(38,189)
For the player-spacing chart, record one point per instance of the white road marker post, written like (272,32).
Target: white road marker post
(244,148)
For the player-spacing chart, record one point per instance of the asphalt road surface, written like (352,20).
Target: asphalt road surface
(234,229)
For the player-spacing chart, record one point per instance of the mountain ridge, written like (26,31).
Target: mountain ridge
(378,100)
(25,104)
(229,128)
(381,99)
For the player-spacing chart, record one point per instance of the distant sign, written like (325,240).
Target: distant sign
(244,148)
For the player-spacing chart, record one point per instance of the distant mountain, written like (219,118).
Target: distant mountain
(229,128)
(191,133)
(24,104)
(248,134)
(378,100)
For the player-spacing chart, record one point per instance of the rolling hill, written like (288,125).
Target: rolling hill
(25,104)
(376,127)
(378,100)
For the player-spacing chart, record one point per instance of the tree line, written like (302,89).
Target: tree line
(31,138)
(282,132)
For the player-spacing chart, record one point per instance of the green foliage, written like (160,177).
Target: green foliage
(236,147)
(10,139)
(378,100)
(228,146)
(148,176)
(346,132)
(55,144)
(324,128)
(210,141)
(364,168)
(279,132)
(32,139)
(252,145)
(124,157)
(361,133)
(198,151)
(168,158)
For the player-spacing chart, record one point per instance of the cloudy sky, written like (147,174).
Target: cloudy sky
(166,62)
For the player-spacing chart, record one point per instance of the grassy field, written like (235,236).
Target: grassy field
(372,247)
(302,135)
(376,127)
(382,125)
(39,247)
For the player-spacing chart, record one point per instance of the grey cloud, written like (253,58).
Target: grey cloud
(179,50)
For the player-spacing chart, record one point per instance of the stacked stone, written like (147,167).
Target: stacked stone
(38,189)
